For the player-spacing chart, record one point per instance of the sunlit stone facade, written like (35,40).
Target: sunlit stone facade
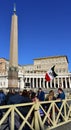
(33,76)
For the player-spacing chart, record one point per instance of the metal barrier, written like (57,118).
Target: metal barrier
(34,120)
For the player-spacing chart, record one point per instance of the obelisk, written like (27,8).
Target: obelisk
(13,62)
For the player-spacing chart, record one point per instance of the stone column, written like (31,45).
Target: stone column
(21,83)
(58,82)
(36,82)
(69,83)
(13,63)
(47,84)
(62,81)
(43,83)
(65,82)
(54,83)
(51,84)
(33,82)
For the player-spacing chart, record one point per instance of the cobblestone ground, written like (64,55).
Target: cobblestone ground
(5,126)
(64,127)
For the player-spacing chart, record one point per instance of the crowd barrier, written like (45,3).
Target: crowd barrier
(40,116)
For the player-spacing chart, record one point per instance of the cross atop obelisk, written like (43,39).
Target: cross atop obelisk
(14,8)
(13,63)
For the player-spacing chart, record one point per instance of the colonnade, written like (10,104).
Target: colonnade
(39,82)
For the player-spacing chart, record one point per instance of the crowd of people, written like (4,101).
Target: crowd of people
(17,97)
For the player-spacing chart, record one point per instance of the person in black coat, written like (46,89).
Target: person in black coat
(41,95)
(15,98)
(24,110)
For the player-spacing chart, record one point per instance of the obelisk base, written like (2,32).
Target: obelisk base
(13,78)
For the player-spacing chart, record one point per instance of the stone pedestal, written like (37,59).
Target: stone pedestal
(13,77)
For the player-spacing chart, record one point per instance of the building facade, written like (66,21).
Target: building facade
(33,76)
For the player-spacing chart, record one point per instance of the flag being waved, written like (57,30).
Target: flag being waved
(50,74)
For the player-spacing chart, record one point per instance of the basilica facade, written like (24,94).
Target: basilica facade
(33,75)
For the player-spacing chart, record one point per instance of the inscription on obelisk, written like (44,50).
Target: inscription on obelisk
(13,63)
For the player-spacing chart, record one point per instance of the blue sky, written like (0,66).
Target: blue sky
(44,28)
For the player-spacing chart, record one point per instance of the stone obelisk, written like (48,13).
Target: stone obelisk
(13,63)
